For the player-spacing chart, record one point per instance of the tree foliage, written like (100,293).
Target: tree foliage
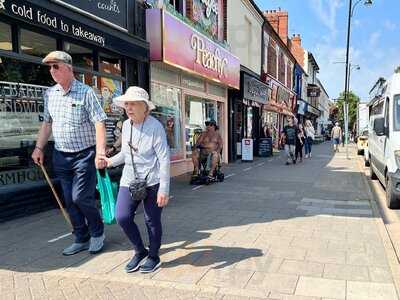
(397,70)
(353,101)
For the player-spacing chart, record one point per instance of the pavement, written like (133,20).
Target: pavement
(300,232)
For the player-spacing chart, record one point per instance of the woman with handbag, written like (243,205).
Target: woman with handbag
(145,177)
(310,135)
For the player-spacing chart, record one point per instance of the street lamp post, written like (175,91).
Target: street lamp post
(346,81)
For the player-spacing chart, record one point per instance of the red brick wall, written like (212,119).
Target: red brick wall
(297,50)
(279,21)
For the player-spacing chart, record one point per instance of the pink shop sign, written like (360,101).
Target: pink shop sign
(179,45)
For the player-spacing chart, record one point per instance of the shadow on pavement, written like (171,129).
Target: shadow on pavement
(217,226)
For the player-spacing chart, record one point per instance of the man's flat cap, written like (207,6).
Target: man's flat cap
(58,56)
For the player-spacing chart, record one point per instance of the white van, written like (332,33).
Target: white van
(384,138)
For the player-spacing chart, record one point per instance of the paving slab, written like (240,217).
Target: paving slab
(272,232)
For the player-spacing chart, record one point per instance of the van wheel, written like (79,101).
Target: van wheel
(373,175)
(391,199)
(366,163)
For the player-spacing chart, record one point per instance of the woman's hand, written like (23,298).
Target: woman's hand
(162,200)
(102,161)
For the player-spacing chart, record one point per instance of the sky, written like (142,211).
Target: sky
(374,46)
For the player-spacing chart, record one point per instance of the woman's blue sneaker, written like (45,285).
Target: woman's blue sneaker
(136,261)
(150,265)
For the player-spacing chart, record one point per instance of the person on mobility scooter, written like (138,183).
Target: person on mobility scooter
(206,156)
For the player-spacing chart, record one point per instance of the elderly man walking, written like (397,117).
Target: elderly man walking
(74,115)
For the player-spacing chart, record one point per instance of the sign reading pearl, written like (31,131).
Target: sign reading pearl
(206,58)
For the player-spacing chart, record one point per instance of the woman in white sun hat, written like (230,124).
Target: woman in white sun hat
(145,177)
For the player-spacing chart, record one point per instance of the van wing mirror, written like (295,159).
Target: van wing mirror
(379,126)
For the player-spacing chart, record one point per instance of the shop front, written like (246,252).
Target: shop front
(109,52)
(312,114)
(275,113)
(245,108)
(190,77)
(301,110)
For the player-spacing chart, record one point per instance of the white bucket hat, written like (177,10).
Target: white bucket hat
(134,94)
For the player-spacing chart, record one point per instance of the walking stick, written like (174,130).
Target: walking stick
(56,195)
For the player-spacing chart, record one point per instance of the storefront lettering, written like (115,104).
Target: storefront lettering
(48,19)
(21,98)
(211,6)
(112,6)
(20,176)
(82,33)
(22,11)
(256,90)
(206,58)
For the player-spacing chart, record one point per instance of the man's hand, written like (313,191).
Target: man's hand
(100,162)
(38,156)
(162,200)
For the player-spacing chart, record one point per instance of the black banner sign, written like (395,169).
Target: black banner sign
(36,15)
(254,89)
(111,11)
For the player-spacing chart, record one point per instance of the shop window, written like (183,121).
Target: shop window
(110,64)
(107,89)
(197,111)
(272,58)
(168,112)
(281,68)
(81,57)
(22,86)
(36,44)
(5,37)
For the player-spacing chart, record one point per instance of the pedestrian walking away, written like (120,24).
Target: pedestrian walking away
(73,114)
(309,138)
(145,153)
(300,139)
(336,135)
(289,135)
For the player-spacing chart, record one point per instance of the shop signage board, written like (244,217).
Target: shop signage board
(40,16)
(111,12)
(301,107)
(313,110)
(254,90)
(265,147)
(181,46)
(247,149)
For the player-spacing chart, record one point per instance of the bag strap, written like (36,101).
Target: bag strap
(132,149)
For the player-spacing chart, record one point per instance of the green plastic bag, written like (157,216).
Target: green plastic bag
(108,196)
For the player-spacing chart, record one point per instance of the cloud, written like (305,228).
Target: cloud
(389,25)
(326,11)
(332,75)
(374,39)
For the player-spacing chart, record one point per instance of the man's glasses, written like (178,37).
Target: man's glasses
(54,66)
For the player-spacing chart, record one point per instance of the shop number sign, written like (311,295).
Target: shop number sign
(247,149)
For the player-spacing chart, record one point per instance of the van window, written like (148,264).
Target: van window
(377,109)
(397,112)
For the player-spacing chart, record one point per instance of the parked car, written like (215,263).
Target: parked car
(362,142)
(384,138)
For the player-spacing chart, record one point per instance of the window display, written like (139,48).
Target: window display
(22,86)
(168,112)
(5,37)
(36,44)
(197,111)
